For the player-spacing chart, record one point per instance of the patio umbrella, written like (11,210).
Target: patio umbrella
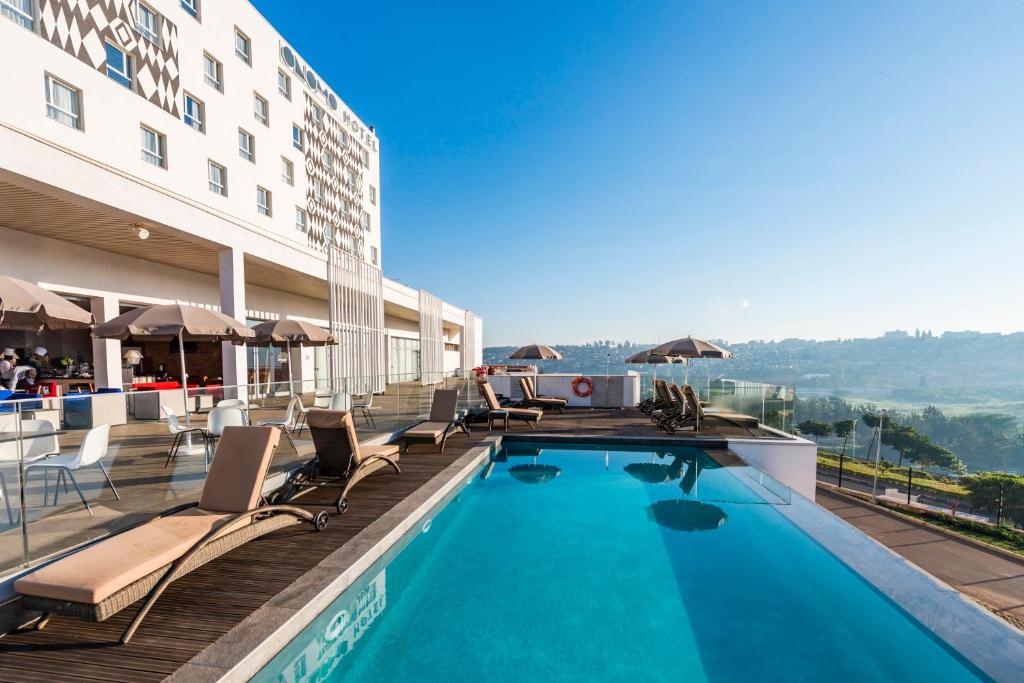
(648,358)
(28,307)
(687,348)
(283,333)
(535,352)
(164,322)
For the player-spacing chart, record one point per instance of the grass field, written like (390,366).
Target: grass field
(922,481)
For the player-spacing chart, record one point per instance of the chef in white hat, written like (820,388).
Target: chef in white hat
(38,358)
(8,361)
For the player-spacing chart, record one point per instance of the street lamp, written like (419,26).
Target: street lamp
(878,455)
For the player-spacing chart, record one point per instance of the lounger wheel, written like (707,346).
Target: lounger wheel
(320,521)
(342,505)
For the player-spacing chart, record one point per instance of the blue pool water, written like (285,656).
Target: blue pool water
(587,565)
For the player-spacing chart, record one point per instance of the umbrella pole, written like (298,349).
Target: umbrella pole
(291,382)
(184,379)
(686,370)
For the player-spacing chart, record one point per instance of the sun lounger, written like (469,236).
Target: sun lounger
(443,419)
(533,391)
(340,461)
(104,578)
(530,416)
(531,399)
(698,414)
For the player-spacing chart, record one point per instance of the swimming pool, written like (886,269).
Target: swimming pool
(576,563)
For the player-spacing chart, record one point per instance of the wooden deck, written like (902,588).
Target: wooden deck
(204,605)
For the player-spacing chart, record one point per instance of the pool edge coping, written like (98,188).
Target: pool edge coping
(251,644)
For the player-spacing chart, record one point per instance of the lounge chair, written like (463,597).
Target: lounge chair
(530,399)
(443,419)
(669,408)
(340,461)
(530,416)
(533,391)
(698,414)
(658,401)
(104,578)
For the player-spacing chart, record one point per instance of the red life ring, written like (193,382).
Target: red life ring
(584,392)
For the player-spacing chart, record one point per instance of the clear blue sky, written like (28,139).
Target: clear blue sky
(646,170)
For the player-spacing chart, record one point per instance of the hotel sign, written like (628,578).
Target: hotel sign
(320,89)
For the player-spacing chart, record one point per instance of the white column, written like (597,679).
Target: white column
(232,302)
(106,353)
(303,368)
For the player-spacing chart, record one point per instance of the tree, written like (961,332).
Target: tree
(996,493)
(815,428)
(843,429)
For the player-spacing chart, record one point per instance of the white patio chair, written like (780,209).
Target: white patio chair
(32,449)
(339,401)
(322,398)
(91,452)
(236,403)
(365,406)
(178,430)
(300,419)
(219,418)
(286,423)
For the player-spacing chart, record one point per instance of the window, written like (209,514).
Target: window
(63,103)
(318,191)
(300,220)
(195,113)
(343,139)
(328,162)
(263,200)
(154,147)
(192,7)
(351,179)
(213,72)
(366,220)
(119,65)
(373,255)
(246,145)
(243,47)
(147,22)
(345,207)
(218,176)
(318,115)
(18,11)
(298,138)
(364,156)
(287,171)
(261,108)
(284,84)
(373,195)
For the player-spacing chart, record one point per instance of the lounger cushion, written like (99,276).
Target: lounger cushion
(550,400)
(234,484)
(98,571)
(387,450)
(427,430)
(525,412)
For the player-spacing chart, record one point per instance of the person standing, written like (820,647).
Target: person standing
(9,360)
(38,359)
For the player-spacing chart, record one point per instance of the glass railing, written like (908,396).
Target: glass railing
(772,404)
(60,490)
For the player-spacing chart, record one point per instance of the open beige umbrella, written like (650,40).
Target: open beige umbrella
(649,358)
(29,307)
(164,322)
(284,333)
(535,352)
(687,348)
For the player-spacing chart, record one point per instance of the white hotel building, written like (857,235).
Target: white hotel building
(182,150)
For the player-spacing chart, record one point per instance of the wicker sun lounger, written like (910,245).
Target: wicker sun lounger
(530,416)
(530,399)
(104,578)
(340,461)
(443,419)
